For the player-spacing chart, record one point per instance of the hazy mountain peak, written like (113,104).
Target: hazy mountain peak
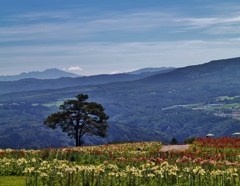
(151,69)
(52,73)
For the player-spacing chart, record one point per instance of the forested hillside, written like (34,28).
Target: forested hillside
(28,84)
(157,107)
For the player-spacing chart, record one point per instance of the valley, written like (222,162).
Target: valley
(182,103)
(223,106)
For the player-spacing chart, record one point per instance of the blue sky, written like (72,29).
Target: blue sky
(90,37)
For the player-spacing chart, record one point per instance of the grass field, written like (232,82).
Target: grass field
(227,97)
(12,180)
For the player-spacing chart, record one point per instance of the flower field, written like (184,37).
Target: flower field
(209,162)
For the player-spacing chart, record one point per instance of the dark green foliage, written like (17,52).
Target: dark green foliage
(189,140)
(30,84)
(118,142)
(21,127)
(174,141)
(78,117)
(146,109)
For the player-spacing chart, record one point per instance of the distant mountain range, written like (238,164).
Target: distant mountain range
(41,83)
(141,107)
(53,73)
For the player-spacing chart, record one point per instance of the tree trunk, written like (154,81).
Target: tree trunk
(77,137)
(79,141)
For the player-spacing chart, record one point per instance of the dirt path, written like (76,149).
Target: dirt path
(174,147)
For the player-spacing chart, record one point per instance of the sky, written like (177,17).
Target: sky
(90,37)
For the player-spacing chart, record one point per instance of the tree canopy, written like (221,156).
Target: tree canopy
(79,117)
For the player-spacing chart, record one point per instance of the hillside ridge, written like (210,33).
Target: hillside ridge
(184,103)
(52,73)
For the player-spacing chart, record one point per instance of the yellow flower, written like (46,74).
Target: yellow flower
(217,173)
(8,150)
(111,174)
(28,170)
(60,174)
(43,175)
(21,161)
(187,169)
(165,163)
(151,175)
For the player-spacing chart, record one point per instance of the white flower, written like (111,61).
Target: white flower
(43,175)
(28,170)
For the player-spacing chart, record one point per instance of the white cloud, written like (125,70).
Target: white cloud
(72,26)
(114,72)
(89,41)
(36,16)
(195,23)
(74,69)
(76,28)
(119,57)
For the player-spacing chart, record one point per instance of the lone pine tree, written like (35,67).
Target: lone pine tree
(79,117)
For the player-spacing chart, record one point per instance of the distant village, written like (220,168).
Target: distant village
(233,112)
(219,109)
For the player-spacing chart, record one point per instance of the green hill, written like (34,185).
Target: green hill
(137,109)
